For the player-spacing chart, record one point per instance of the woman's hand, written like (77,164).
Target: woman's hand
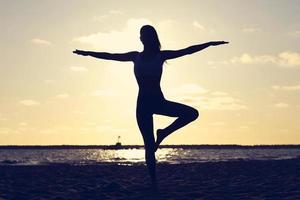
(216,43)
(81,52)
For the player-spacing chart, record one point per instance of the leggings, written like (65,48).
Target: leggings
(147,105)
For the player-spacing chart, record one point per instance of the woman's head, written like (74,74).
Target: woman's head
(149,37)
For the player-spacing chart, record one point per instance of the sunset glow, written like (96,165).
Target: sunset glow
(247,92)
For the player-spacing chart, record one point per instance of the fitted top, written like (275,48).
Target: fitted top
(148,73)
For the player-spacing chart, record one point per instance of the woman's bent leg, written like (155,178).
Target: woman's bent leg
(145,123)
(185,114)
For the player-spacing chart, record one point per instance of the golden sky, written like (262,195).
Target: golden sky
(247,92)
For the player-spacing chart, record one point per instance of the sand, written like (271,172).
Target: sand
(257,180)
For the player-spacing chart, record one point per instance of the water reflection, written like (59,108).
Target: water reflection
(126,155)
(136,156)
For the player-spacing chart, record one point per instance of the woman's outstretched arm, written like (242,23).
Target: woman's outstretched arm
(108,56)
(171,54)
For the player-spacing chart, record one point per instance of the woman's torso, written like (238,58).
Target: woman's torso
(148,71)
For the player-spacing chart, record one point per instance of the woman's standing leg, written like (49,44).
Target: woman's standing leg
(185,114)
(145,123)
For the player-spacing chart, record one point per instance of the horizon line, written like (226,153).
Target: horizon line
(183,146)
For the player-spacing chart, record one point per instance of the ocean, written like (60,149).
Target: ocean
(133,156)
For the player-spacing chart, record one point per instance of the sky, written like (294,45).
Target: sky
(247,92)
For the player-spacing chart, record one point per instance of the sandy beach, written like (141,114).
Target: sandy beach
(273,179)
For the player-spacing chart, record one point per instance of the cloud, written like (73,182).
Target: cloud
(7,130)
(224,62)
(251,30)
(206,99)
(84,129)
(125,39)
(115,12)
(199,26)
(109,14)
(79,69)
(221,103)
(286,59)
(23,124)
(49,81)
(218,93)
(295,33)
(281,105)
(253,59)
(289,59)
(244,127)
(29,102)
(287,87)
(78,112)
(101,17)
(40,41)
(47,131)
(99,93)
(2,118)
(62,96)
(189,88)
(64,128)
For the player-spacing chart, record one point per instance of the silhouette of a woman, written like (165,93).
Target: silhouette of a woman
(148,70)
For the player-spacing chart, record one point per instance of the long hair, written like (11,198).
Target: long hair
(150,38)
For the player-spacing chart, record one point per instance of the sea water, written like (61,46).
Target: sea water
(137,155)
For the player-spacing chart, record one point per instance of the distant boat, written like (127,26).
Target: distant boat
(118,145)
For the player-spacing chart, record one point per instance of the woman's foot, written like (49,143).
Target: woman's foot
(160,136)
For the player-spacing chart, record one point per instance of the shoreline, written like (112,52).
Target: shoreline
(253,179)
(202,146)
